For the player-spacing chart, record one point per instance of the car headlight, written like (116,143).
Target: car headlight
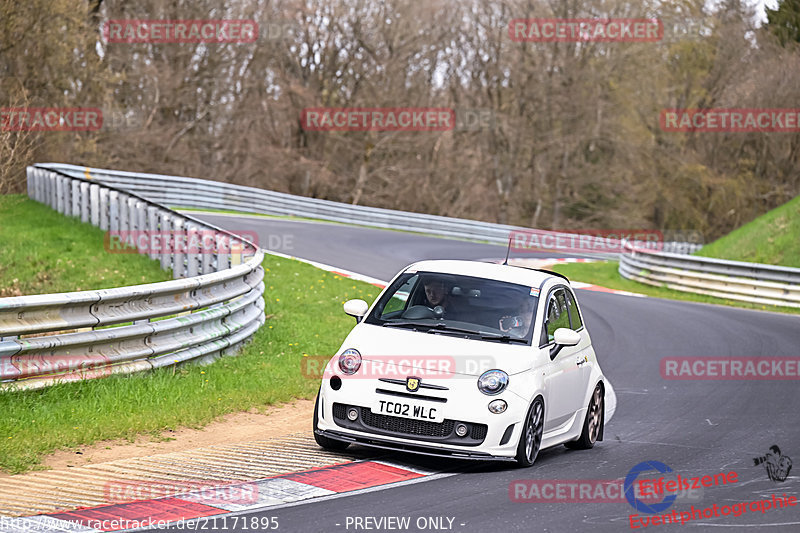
(493,382)
(350,361)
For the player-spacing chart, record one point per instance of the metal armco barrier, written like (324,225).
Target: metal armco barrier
(214,304)
(207,194)
(734,280)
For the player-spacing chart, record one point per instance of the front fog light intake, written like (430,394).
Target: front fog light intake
(461,430)
(350,361)
(498,406)
(492,382)
(352,414)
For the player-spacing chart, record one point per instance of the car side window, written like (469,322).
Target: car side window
(399,300)
(557,314)
(574,314)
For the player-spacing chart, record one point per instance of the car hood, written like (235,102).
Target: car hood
(435,351)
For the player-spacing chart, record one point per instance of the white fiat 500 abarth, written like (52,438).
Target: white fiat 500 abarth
(467,360)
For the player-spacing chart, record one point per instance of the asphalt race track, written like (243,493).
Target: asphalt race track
(696,427)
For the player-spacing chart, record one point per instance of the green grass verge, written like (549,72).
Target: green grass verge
(45,252)
(606,274)
(772,238)
(305,317)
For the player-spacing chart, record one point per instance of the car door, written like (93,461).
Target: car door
(583,355)
(565,379)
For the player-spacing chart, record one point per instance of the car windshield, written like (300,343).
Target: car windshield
(478,308)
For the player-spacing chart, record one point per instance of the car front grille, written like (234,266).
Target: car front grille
(479,431)
(340,411)
(443,432)
(409,426)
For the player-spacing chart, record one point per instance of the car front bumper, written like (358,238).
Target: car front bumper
(490,435)
(393,445)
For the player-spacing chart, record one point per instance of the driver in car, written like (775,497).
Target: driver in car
(436,292)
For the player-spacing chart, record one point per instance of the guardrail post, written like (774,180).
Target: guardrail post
(207,257)
(60,194)
(139,223)
(68,196)
(103,209)
(94,204)
(31,174)
(152,230)
(41,187)
(122,213)
(223,256)
(194,250)
(54,191)
(85,202)
(133,214)
(113,211)
(76,198)
(179,248)
(237,251)
(166,240)
(30,182)
(66,192)
(46,190)
(37,185)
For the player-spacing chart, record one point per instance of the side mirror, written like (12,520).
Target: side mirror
(563,337)
(566,337)
(356,309)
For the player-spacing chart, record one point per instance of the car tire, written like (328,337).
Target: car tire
(323,441)
(593,423)
(530,441)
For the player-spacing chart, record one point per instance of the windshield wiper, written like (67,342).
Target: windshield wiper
(405,324)
(502,338)
(444,328)
(441,326)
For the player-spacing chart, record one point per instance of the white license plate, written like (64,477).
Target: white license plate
(408,410)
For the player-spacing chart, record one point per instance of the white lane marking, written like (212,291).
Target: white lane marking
(357,492)
(189,524)
(331,268)
(403,466)
(264,493)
